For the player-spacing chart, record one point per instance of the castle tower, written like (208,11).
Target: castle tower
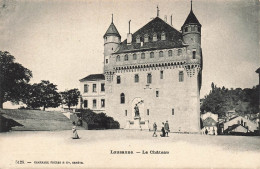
(111,39)
(191,33)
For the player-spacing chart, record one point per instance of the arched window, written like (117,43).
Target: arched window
(138,40)
(181,78)
(143,56)
(118,58)
(170,53)
(152,55)
(134,57)
(161,53)
(154,37)
(126,57)
(163,36)
(122,98)
(179,52)
(146,38)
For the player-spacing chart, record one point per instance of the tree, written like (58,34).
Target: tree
(42,94)
(70,97)
(221,100)
(13,79)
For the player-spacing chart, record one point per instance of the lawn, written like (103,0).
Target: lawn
(94,148)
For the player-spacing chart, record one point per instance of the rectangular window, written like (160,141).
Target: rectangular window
(134,55)
(118,80)
(94,88)
(161,74)
(193,54)
(85,102)
(149,78)
(102,102)
(106,61)
(94,103)
(192,28)
(85,88)
(179,52)
(172,111)
(181,78)
(157,93)
(102,87)
(125,112)
(136,78)
(148,112)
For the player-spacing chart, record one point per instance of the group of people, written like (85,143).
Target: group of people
(164,130)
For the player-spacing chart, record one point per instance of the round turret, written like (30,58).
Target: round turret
(111,39)
(191,32)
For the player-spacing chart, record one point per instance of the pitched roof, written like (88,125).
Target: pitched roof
(191,19)
(93,77)
(158,26)
(112,31)
(258,70)
(231,128)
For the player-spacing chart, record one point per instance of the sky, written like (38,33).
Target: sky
(62,40)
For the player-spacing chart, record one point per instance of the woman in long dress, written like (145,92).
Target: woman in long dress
(74,132)
(163,131)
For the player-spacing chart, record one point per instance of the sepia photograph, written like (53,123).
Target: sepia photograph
(129,84)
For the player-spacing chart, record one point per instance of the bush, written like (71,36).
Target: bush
(97,121)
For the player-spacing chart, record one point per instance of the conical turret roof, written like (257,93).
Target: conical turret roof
(112,31)
(192,19)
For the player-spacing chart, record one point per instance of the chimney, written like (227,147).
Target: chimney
(129,39)
(165,18)
(171,20)
(129,36)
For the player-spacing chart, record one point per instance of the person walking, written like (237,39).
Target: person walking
(166,128)
(163,131)
(154,129)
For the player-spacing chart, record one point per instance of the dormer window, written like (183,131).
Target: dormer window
(154,37)
(118,58)
(186,29)
(138,40)
(146,38)
(193,28)
(163,36)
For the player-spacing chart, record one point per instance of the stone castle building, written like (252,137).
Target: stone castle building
(154,75)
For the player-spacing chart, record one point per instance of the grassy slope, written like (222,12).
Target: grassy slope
(38,120)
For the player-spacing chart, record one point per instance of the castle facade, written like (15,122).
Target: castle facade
(154,75)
